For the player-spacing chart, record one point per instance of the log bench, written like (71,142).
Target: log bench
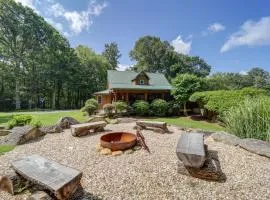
(84,129)
(59,180)
(152,124)
(190,149)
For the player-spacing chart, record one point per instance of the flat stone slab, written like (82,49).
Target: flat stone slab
(59,179)
(226,138)
(190,149)
(256,146)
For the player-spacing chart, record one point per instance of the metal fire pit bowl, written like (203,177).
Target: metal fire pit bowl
(118,140)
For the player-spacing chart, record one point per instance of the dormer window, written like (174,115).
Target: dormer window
(141,82)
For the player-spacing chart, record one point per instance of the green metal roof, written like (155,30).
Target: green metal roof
(102,92)
(123,80)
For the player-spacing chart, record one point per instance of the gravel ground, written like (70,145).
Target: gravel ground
(148,176)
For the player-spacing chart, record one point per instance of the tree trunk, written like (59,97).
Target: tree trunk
(53,98)
(17,96)
(185,109)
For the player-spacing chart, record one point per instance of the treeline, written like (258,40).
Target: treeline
(39,69)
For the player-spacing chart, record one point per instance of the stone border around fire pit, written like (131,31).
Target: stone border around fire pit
(106,151)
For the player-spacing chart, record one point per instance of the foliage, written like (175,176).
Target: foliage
(141,107)
(6,148)
(222,100)
(173,108)
(154,55)
(187,122)
(19,120)
(36,123)
(109,109)
(159,107)
(91,105)
(112,54)
(120,106)
(250,119)
(184,85)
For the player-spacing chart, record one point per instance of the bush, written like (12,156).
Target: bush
(108,109)
(91,105)
(251,119)
(120,106)
(141,107)
(173,108)
(19,120)
(159,107)
(36,123)
(222,100)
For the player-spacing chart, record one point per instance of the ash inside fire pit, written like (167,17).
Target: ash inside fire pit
(118,141)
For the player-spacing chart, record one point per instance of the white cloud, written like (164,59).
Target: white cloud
(78,21)
(251,34)
(181,46)
(216,27)
(123,67)
(243,72)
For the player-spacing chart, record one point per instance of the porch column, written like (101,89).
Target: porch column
(145,96)
(163,95)
(127,97)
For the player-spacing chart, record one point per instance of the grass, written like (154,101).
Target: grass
(5,148)
(187,122)
(46,118)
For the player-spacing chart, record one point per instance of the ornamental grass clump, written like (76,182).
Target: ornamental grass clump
(251,119)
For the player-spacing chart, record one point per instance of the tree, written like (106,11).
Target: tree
(154,55)
(259,77)
(184,85)
(112,54)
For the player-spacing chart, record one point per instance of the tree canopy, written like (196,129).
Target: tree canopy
(112,54)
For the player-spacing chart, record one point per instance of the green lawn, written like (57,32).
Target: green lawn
(46,118)
(187,122)
(6,148)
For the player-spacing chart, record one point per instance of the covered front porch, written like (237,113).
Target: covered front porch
(130,96)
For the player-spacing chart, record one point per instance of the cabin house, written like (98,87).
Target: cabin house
(130,86)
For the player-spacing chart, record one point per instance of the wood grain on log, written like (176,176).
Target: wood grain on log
(152,124)
(83,129)
(60,180)
(190,149)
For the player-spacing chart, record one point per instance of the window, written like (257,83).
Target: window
(99,99)
(141,82)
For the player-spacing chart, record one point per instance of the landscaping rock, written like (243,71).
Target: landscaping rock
(226,138)
(129,151)
(98,147)
(21,135)
(96,118)
(105,151)
(51,129)
(66,122)
(40,195)
(136,148)
(256,146)
(4,132)
(117,153)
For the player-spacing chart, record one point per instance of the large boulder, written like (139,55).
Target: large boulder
(96,118)
(256,146)
(66,122)
(226,138)
(23,134)
(51,129)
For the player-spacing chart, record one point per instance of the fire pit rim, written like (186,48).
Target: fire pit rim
(118,145)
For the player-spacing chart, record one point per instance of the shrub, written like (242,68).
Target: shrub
(159,107)
(91,105)
(222,100)
(173,108)
(36,123)
(120,106)
(251,119)
(19,120)
(108,109)
(141,107)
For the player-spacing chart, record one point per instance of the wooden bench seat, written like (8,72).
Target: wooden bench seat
(84,129)
(152,124)
(191,150)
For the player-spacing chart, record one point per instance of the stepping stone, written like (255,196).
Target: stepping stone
(256,146)
(60,180)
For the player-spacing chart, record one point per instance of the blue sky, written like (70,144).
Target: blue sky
(232,36)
